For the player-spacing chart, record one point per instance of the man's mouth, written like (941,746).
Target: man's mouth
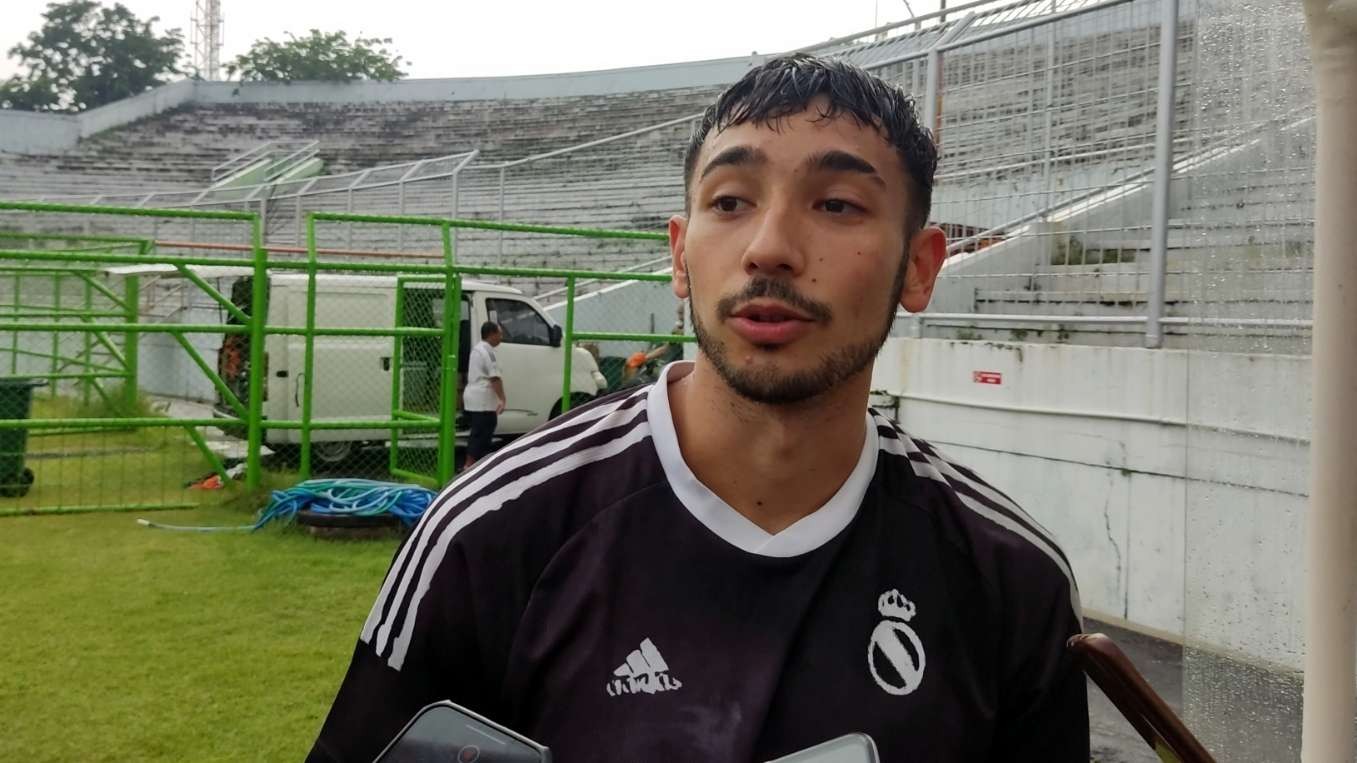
(769,324)
(769,312)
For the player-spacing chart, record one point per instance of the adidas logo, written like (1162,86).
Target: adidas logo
(644,672)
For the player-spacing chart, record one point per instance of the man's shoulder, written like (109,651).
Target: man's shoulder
(555,476)
(1006,541)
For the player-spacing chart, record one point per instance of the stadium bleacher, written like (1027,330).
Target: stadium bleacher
(176,150)
(1031,121)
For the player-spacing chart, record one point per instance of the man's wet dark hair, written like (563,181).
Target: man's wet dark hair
(787,85)
(488,328)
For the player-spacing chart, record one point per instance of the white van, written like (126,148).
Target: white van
(353,374)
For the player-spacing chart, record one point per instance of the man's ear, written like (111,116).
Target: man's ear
(927,251)
(678,232)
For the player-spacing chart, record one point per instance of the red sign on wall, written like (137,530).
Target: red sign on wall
(987,377)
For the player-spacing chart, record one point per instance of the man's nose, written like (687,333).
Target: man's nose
(776,248)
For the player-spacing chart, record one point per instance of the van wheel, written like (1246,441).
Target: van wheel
(576,400)
(333,452)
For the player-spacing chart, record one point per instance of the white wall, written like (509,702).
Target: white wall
(164,368)
(565,85)
(624,307)
(1175,481)
(28,132)
(137,107)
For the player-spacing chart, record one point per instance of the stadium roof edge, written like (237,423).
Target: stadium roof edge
(25,132)
(709,73)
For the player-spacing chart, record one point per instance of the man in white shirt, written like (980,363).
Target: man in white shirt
(483,400)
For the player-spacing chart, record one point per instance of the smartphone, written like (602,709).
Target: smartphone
(446,733)
(1149,714)
(850,748)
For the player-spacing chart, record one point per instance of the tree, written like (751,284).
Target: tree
(86,55)
(328,57)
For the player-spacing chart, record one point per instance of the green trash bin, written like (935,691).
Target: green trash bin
(16,402)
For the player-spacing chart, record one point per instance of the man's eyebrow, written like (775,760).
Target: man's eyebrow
(734,157)
(842,161)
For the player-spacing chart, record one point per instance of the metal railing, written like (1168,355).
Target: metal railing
(279,153)
(384,176)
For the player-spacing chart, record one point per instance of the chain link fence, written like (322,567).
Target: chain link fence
(189,368)
(103,389)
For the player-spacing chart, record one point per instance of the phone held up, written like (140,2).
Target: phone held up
(445,732)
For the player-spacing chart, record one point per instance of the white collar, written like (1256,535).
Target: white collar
(804,535)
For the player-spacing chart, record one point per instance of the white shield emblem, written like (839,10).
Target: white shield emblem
(895,655)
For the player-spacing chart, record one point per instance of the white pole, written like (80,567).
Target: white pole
(1331,542)
(932,83)
(1163,172)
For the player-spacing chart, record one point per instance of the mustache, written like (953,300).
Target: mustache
(774,288)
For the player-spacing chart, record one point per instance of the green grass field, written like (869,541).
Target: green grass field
(127,643)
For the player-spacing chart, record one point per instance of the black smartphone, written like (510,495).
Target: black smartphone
(446,733)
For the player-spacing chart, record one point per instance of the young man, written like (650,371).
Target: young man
(483,399)
(742,560)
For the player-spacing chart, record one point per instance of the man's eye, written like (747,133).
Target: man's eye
(838,206)
(726,204)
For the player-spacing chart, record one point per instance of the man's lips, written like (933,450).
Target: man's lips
(764,310)
(769,323)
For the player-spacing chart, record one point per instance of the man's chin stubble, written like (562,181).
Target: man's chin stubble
(777,388)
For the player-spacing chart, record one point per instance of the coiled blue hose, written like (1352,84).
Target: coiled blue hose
(341,497)
(348,497)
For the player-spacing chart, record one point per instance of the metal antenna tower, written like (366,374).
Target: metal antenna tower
(205,38)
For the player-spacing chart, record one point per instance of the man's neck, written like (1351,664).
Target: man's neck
(775,464)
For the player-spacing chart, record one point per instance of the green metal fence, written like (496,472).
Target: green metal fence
(351,321)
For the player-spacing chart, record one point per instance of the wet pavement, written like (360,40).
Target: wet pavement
(1241,712)
(1160,662)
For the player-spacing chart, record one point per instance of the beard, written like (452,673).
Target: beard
(770,386)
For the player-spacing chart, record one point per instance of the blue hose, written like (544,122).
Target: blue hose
(340,497)
(349,497)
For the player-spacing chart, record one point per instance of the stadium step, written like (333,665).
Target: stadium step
(1188,278)
(1287,341)
(1293,306)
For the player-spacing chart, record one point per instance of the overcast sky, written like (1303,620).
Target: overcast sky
(503,37)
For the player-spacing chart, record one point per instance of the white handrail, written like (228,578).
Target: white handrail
(264,150)
(242,158)
(245,193)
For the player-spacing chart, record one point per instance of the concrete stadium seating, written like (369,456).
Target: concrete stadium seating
(177,149)
(1238,247)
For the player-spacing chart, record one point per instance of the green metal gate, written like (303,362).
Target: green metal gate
(425,370)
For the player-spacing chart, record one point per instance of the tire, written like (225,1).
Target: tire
(576,400)
(19,489)
(333,452)
(346,521)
